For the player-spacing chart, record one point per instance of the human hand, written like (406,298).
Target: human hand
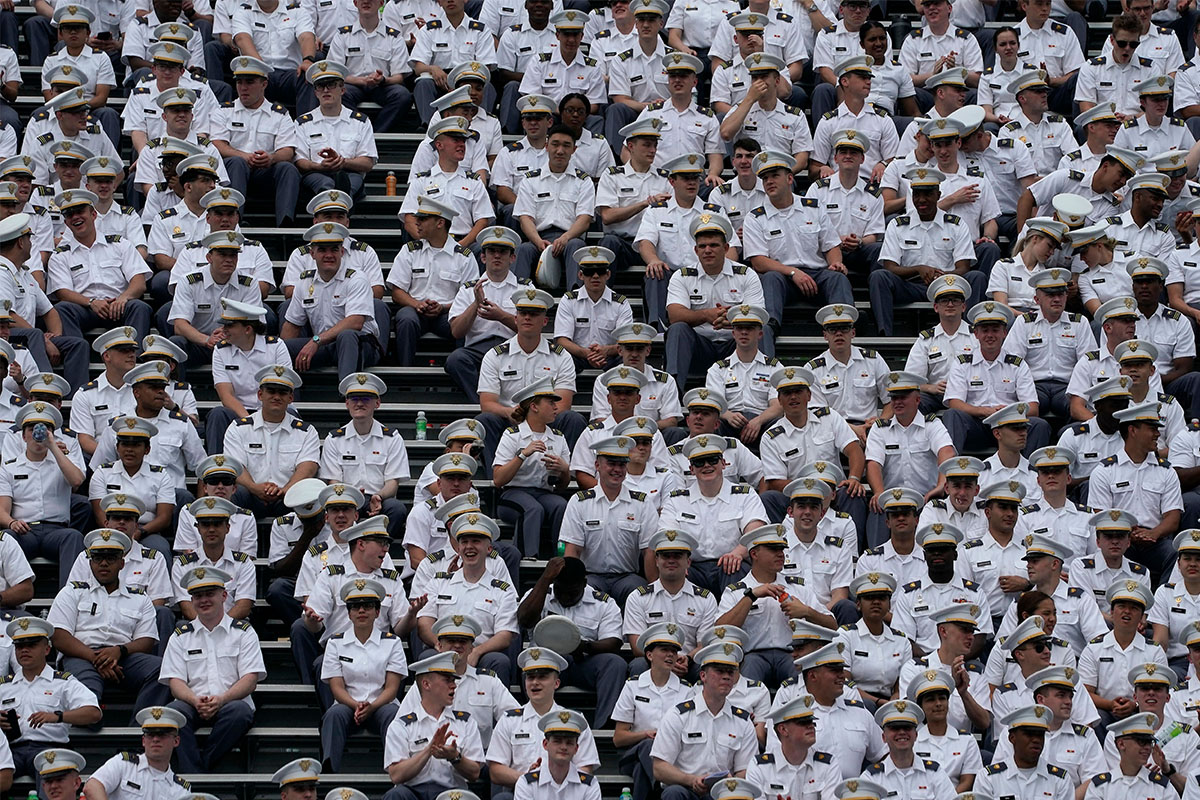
(305,357)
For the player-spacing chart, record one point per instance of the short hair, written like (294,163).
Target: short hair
(747,143)
(1126,22)
(558,127)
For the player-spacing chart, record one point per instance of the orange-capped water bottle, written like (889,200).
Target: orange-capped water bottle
(390,184)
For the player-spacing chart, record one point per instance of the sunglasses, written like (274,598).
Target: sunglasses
(353,605)
(104,556)
(1126,42)
(589,272)
(1113,535)
(1038,647)
(839,327)
(220,480)
(707,461)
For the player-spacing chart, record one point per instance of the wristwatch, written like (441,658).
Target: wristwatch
(521,455)
(316,339)
(59,714)
(749,593)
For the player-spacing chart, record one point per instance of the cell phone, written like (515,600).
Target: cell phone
(106,35)
(14,725)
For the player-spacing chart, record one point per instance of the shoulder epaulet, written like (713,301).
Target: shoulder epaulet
(809,202)
(240,556)
(973,543)
(679,493)
(187,558)
(1171,313)
(953,219)
(1145,62)
(499,584)
(240,624)
(739,712)
(759,212)
(1015,360)
(685,707)
(409,719)
(912,586)
(1101,779)
(279,108)
(1075,175)
(997,767)
(304,119)
(336,569)
(585,494)
(766,758)
(876,768)
(132,758)
(317,549)
(741,488)
(931,765)
(301,425)
(1137,569)
(1108,462)
(186,627)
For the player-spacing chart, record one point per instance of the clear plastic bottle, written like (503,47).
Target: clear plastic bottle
(626,793)
(422,426)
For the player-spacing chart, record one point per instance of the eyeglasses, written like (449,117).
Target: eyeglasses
(220,480)
(360,398)
(839,327)
(707,461)
(1126,42)
(103,556)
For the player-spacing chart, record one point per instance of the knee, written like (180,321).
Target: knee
(339,715)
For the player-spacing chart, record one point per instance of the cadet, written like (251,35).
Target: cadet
(762,603)
(636,77)
(956,625)
(557,777)
(820,544)
(900,772)
(744,377)
(996,559)
(1010,428)
(1079,619)
(440,45)
(687,748)
(791,243)
(689,128)
(112,280)
(42,701)
(588,317)
(211,664)
(921,248)
(958,508)
(35,490)
(435,747)
(376,56)
(336,309)
(671,597)
(366,454)
(844,726)
(1154,131)
(335,146)
(1055,516)
(1105,663)
(554,206)
(700,297)
(664,240)
(211,517)
(297,779)
(609,526)
(1138,480)
(895,525)
(716,512)
(1119,319)
(514,745)
(425,278)
(850,380)
(1105,561)
(132,474)
(70,126)
(257,138)
(625,191)
(1023,772)
(58,771)
(560,68)
(1135,742)
(1168,329)
(509,370)
(469,198)
(792,763)
(984,380)
(704,410)
(494,600)
(363,670)
(177,447)
(478,689)
(877,651)
(1049,340)
(944,584)
(1047,135)
(909,446)
(145,775)
(647,698)
(114,643)
(196,314)
(801,436)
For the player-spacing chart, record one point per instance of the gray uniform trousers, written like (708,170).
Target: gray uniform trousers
(338,723)
(228,727)
(140,672)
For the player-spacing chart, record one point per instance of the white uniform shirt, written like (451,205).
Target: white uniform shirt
(101,271)
(746,385)
(151,483)
(268,127)
(873,661)
(478,692)
(269,451)
(444,45)
(320,304)
(785,447)
(1147,490)
(908,454)
(716,522)
(432,273)
(275,33)
(348,132)
(613,533)
(643,704)
(492,602)
(212,661)
(99,618)
(461,190)
(985,560)
(498,293)
(1105,664)
(694,289)
(555,200)
(856,389)
(622,186)
(237,367)
(367,461)
(874,124)
(517,741)
(49,691)
(145,569)
(694,740)
(362,665)
(507,368)
(691,608)
(412,732)
(934,351)
(128,776)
